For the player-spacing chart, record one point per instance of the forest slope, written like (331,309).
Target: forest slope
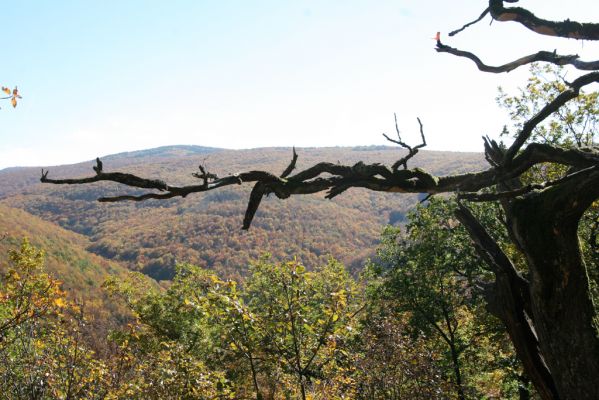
(66,258)
(205,228)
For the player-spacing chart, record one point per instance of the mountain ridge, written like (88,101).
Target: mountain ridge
(192,149)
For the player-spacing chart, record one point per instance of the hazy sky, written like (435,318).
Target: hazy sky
(100,77)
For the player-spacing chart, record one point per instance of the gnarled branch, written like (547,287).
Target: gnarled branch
(482,197)
(566,29)
(335,178)
(544,56)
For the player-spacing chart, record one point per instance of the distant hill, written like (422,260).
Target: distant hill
(204,228)
(163,152)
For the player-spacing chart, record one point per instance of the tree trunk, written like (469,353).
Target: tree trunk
(508,299)
(551,319)
(546,226)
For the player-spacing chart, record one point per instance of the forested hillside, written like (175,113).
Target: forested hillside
(204,229)
(81,273)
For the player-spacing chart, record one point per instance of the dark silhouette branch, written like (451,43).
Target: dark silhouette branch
(335,178)
(482,15)
(566,29)
(483,197)
(412,151)
(204,175)
(291,165)
(541,56)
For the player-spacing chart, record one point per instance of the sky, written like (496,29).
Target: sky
(102,77)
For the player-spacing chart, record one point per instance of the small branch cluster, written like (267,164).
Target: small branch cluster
(13,95)
(204,175)
(412,151)
(494,152)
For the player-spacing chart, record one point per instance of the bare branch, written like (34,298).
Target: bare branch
(291,165)
(411,150)
(566,29)
(480,197)
(256,195)
(427,198)
(482,15)
(126,179)
(339,178)
(544,56)
(204,175)
(98,167)
(494,152)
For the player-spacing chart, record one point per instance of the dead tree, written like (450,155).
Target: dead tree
(549,314)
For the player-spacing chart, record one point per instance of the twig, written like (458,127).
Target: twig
(411,150)
(291,165)
(482,15)
(428,196)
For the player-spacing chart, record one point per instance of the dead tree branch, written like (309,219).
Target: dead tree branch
(566,29)
(412,151)
(335,178)
(482,197)
(544,56)
(482,15)
(291,165)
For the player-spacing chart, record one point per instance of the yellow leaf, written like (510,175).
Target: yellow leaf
(6,90)
(13,101)
(59,302)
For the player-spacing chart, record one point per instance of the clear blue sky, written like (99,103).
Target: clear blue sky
(99,77)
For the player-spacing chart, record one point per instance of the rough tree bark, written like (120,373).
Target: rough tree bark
(549,315)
